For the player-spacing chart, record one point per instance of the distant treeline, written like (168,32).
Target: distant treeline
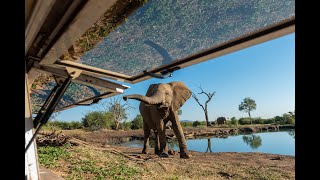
(99,119)
(96,120)
(280,120)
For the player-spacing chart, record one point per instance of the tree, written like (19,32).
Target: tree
(289,118)
(179,112)
(254,141)
(205,106)
(209,146)
(118,109)
(234,121)
(248,105)
(137,122)
(97,119)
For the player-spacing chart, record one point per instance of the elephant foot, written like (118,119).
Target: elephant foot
(157,152)
(185,155)
(164,155)
(144,152)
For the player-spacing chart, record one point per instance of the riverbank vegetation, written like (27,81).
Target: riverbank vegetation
(104,120)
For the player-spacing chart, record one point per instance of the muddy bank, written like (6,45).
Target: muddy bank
(107,137)
(192,133)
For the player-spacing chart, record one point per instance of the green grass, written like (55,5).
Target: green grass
(109,170)
(48,156)
(81,163)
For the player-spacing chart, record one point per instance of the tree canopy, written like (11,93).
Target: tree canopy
(248,105)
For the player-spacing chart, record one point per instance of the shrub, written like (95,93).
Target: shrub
(75,125)
(269,121)
(290,121)
(203,123)
(228,122)
(258,121)
(279,120)
(196,123)
(137,122)
(60,125)
(186,124)
(126,125)
(234,121)
(243,121)
(97,119)
(289,118)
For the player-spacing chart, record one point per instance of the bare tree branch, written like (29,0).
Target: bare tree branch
(195,97)
(205,106)
(119,109)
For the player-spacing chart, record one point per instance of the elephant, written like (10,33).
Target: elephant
(160,105)
(221,120)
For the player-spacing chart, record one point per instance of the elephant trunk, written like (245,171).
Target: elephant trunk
(155,99)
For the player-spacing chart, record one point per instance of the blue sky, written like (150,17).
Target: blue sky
(264,72)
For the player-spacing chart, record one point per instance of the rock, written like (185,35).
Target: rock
(277,158)
(106,146)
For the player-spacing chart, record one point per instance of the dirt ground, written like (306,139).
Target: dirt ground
(222,165)
(150,166)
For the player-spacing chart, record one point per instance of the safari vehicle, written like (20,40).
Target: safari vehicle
(78,52)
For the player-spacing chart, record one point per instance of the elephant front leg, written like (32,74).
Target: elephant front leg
(163,140)
(146,141)
(176,126)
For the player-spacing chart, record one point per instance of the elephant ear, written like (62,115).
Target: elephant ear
(181,94)
(151,89)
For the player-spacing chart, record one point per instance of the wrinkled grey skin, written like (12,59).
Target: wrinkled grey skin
(160,105)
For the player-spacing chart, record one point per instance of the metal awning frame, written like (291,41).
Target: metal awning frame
(93,10)
(277,30)
(111,87)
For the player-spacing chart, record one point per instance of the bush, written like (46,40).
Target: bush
(60,125)
(126,125)
(98,119)
(186,124)
(228,122)
(244,121)
(269,121)
(234,121)
(196,123)
(279,120)
(75,125)
(289,118)
(137,122)
(258,121)
(203,123)
(290,121)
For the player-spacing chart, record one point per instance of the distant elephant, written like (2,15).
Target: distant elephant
(160,105)
(221,120)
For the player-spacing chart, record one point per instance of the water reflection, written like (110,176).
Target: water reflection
(254,141)
(280,142)
(209,146)
(292,133)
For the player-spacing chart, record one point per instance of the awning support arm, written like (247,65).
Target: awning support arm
(164,74)
(93,102)
(48,107)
